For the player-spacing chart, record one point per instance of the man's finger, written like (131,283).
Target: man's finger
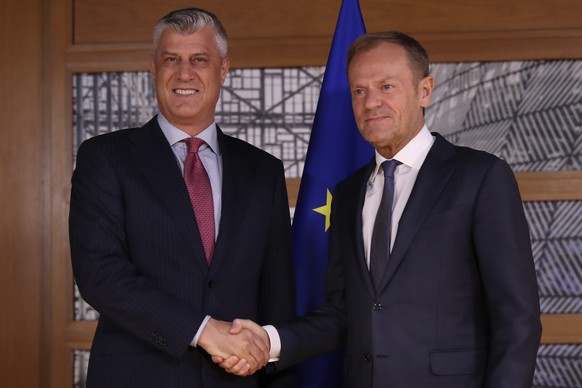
(236,327)
(259,351)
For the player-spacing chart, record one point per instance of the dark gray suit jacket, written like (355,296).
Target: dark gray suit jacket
(458,304)
(138,258)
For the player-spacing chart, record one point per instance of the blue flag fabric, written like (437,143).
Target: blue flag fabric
(335,150)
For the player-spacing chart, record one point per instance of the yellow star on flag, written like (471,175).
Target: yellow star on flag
(326,210)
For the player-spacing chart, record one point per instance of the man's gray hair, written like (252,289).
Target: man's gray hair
(189,20)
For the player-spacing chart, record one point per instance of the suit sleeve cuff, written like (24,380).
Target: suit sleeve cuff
(275,351)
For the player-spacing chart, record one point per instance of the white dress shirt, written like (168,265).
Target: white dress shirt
(411,156)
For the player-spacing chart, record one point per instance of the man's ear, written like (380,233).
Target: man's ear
(425,88)
(152,66)
(224,69)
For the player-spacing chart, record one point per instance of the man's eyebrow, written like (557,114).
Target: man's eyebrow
(166,52)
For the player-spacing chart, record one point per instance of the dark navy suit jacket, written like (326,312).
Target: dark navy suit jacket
(138,258)
(458,304)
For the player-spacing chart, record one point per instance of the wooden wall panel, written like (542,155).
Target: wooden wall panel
(533,186)
(22,211)
(470,15)
(58,360)
(298,33)
(109,21)
(106,21)
(557,329)
(550,186)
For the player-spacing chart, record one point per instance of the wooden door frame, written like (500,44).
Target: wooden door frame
(58,293)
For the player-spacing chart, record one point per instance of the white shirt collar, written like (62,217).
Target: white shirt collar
(175,135)
(412,154)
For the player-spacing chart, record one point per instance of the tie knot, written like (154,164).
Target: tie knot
(389,167)
(193,144)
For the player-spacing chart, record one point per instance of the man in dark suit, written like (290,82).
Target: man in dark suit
(168,241)
(452,302)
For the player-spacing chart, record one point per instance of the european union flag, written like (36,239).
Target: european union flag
(336,149)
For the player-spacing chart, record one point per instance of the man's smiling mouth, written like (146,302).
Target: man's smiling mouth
(185,92)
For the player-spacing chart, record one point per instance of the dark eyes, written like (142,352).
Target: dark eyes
(193,60)
(359,92)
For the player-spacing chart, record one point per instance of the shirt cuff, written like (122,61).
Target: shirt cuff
(275,351)
(194,342)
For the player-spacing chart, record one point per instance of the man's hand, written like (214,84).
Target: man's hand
(234,364)
(243,351)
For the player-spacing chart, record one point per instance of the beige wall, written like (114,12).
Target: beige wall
(44,41)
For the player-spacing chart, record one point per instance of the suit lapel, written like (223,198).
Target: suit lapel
(356,197)
(432,179)
(158,163)
(236,169)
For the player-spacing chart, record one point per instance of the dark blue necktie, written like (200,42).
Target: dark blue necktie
(380,247)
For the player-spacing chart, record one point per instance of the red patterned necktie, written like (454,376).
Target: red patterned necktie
(200,192)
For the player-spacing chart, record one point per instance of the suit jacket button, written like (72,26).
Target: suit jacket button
(377,307)
(367,357)
(210,283)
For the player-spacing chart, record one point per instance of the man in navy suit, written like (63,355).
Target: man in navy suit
(456,303)
(164,282)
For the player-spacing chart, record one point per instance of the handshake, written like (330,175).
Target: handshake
(241,347)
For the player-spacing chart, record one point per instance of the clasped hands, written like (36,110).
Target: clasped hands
(241,348)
